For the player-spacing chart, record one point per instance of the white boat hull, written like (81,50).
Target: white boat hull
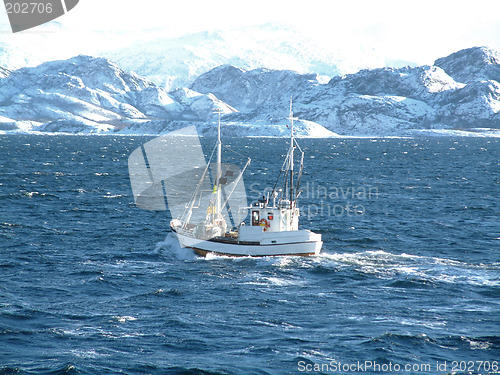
(255,249)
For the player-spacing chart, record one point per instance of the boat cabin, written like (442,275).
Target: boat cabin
(274,219)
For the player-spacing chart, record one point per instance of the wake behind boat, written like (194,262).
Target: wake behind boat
(273,228)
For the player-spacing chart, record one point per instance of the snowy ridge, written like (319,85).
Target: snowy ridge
(176,62)
(473,64)
(173,58)
(85,93)
(385,101)
(94,95)
(4,72)
(303,129)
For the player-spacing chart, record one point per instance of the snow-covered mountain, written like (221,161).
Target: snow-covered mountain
(4,72)
(93,92)
(472,65)
(177,62)
(86,94)
(93,95)
(257,91)
(381,101)
(173,58)
(14,57)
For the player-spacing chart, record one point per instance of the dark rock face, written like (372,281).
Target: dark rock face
(472,64)
(460,91)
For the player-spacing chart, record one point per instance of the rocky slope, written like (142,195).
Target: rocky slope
(4,72)
(472,65)
(94,92)
(177,62)
(371,102)
(86,94)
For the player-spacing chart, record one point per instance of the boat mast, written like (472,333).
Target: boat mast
(219,167)
(291,154)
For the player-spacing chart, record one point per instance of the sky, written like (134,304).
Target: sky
(414,31)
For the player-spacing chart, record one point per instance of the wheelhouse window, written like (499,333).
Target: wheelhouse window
(255,218)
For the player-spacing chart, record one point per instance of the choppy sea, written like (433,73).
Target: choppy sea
(408,279)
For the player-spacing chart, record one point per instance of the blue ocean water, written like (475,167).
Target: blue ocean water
(409,274)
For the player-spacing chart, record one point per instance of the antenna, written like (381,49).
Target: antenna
(218,111)
(291,118)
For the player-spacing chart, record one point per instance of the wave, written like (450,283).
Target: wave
(421,268)
(416,269)
(453,342)
(170,247)
(400,339)
(124,318)
(197,371)
(67,368)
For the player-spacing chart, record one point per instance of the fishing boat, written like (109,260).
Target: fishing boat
(273,227)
